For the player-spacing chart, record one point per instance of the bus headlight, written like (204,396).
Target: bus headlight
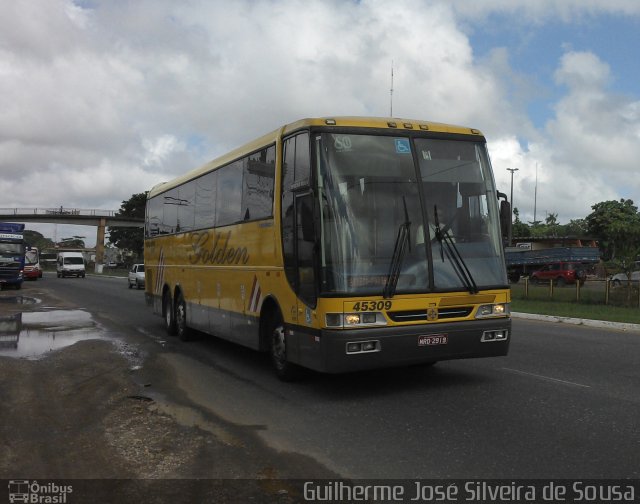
(493,310)
(362,319)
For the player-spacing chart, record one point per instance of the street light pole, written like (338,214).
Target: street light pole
(512,170)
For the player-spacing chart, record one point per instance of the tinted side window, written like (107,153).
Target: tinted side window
(242,190)
(153,223)
(257,186)
(229,195)
(186,207)
(205,197)
(170,201)
(303,162)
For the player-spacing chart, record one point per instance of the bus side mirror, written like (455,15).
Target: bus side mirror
(505,220)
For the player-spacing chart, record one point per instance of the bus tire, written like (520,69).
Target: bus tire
(169,315)
(285,370)
(182,330)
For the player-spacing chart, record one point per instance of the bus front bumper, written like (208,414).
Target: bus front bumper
(337,351)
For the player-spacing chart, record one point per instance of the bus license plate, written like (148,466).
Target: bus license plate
(433,339)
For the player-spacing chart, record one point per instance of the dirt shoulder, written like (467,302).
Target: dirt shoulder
(81,413)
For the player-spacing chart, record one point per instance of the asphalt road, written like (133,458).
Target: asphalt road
(565,403)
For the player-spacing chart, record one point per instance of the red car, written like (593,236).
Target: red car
(561,273)
(32,272)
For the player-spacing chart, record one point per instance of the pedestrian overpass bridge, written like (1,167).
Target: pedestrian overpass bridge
(82,217)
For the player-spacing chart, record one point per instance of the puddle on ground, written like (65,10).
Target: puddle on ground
(32,335)
(19,300)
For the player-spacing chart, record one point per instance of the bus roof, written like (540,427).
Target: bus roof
(388,123)
(11,227)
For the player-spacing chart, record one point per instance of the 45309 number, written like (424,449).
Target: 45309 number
(372,305)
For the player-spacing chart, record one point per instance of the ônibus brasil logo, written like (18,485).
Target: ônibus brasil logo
(35,493)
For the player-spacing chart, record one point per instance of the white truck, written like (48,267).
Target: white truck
(70,264)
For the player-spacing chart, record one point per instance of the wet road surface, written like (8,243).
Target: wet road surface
(563,404)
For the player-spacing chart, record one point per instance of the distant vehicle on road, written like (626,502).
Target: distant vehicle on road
(622,279)
(11,254)
(32,270)
(560,273)
(523,261)
(70,264)
(136,276)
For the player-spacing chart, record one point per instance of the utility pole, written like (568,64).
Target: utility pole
(535,197)
(391,92)
(512,170)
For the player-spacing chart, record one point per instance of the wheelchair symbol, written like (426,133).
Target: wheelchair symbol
(402,146)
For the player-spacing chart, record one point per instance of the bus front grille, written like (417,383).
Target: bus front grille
(423,315)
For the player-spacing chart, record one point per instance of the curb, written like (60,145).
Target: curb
(603,324)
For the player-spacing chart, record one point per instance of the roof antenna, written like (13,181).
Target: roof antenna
(391,92)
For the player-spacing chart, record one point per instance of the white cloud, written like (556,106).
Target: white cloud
(544,10)
(99,103)
(587,152)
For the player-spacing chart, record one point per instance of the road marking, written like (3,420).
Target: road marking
(548,378)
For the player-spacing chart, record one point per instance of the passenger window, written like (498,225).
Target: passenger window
(257,185)
(229,197)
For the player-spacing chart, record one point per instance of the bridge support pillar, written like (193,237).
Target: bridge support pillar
(100,243)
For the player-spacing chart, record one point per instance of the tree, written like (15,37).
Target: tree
(576,227)
(552,225)
(35,239)
(520,229)
(128,238)
(616,224)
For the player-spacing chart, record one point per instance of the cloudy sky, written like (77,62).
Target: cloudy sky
(101,99)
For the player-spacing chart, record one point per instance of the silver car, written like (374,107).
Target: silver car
(136,276)
(622,279)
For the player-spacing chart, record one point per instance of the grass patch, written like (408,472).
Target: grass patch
(577,310)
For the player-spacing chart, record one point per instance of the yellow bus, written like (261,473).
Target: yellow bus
(337,244)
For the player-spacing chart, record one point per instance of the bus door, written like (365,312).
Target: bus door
(305,246)
(298,233)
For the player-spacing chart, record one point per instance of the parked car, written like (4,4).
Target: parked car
(136,276)
(622,279)
(560,273)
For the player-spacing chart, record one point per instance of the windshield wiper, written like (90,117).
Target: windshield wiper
(403,240)
(453,254)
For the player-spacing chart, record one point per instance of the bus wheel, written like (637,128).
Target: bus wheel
(181,319)
(169,316)
(285,370)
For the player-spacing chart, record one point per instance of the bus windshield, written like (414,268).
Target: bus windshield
(31,256)
(10,249)
(421,210)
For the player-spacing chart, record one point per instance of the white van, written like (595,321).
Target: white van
(70,264)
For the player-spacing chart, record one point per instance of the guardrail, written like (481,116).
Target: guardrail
(59,211)
(593,291)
